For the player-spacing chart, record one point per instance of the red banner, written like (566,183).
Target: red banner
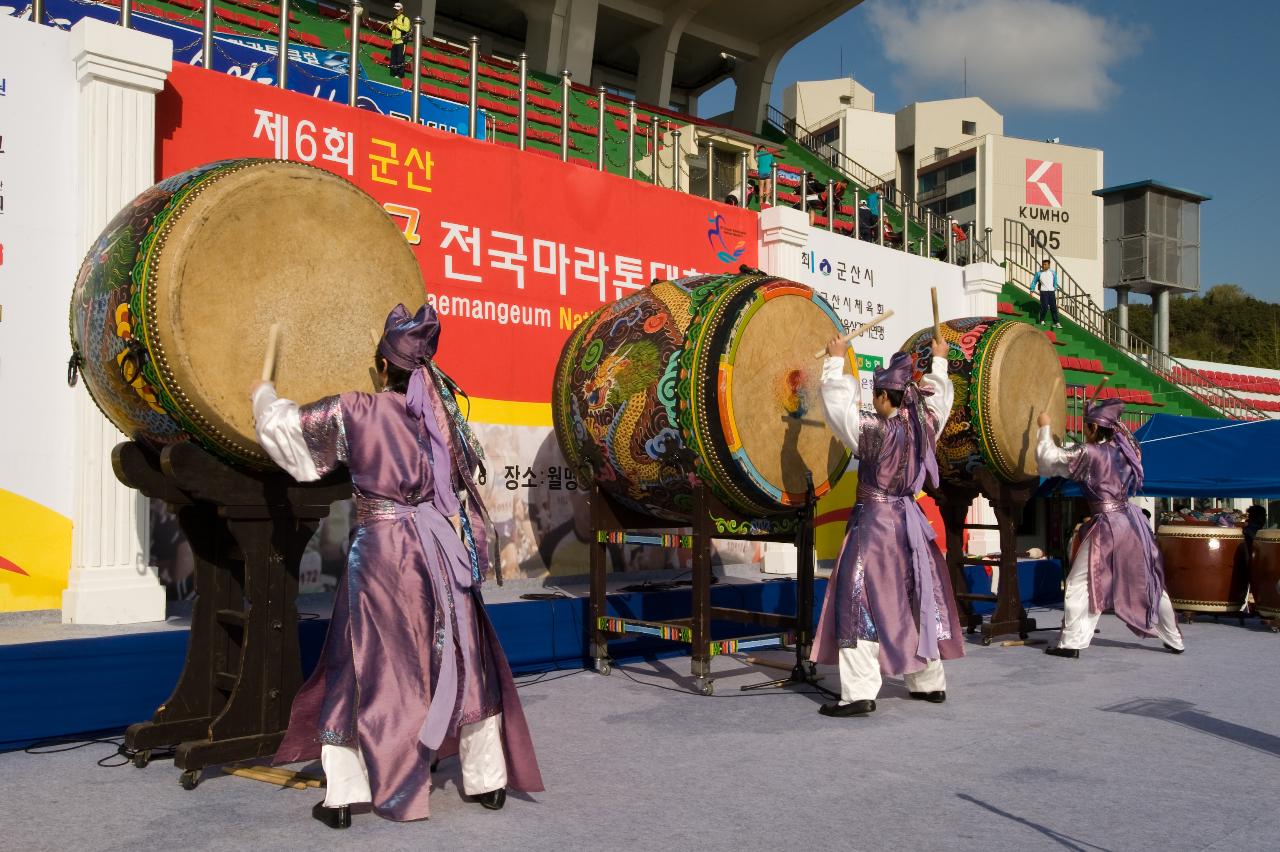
(515,247)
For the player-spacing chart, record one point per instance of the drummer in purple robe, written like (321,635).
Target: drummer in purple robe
(1118,565)
(412,670)
(888,608)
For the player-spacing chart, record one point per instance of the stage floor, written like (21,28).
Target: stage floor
(1129,748)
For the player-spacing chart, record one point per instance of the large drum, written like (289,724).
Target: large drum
(1204,567)
(172,306)
(1264,573)
(713,375)
(1004,373)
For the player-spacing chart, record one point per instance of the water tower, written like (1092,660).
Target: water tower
(1150,245)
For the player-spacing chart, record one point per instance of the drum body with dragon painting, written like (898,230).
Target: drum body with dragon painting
(171,309)
(711,376)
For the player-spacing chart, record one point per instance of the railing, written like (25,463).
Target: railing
(837,159)
(1023,254)
(952,151)
(1133,419)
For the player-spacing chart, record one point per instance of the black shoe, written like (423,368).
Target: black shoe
(853,708)
(1069,653)
(936,697)
(339,817)
(494,799)
(1173,650)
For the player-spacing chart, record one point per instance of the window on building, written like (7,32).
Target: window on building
(929,180)
(969,128)
(961,200)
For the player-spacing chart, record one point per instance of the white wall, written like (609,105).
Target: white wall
(41,256)
(810,101)
(868,139)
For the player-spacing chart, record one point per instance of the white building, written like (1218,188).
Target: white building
(952,157)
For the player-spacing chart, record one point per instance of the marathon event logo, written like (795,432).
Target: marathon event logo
(719,237)
(1044,190)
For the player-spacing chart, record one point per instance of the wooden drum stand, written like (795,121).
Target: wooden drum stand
(615,524)
(247,533)
(1008,501)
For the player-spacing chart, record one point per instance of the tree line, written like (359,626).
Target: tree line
(1225,324)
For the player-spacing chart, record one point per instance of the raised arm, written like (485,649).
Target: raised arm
(841,399)
(944,394)
(279,428)
(1054,460)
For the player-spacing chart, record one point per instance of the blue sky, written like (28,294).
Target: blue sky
(1184,93)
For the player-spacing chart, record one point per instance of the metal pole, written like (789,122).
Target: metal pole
(282,57)
(600,119)
(857,217)
(353,70)
(37,11)
(675,160)
(773,185)
(711,160)
(472,112)
(926,244)
(831,205)
(742,184)
(880,219)
(653,137)
(522,112)
(906,224)
(631,140)
(206,36)
(415,111)
(126,13)
(566,92)
(804,192)
(987,246)
(951,240)
(969,240)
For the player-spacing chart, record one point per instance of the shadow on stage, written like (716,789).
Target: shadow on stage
(1184,713)
(1064,840)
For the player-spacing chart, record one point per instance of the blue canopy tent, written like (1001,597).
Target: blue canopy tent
(1202,457)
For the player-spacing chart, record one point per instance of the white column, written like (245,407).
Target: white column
(983,542)
(784,232)
(982,285)
(119,70)
(580,39)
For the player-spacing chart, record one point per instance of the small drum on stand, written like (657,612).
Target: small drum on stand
(695,404)
(169,322)
(1004,374)
(1204,568)
(1264,575)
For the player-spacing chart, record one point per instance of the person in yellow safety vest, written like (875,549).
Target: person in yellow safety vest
(400,27)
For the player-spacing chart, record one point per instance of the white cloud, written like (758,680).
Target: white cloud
(1039,53)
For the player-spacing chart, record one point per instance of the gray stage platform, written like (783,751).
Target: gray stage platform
(1129,748)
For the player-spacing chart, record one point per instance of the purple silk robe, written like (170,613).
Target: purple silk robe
(1126,573)
(406,600)
(888,559)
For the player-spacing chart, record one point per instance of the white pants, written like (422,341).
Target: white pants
(484,766)
(860,674)
(1078,623)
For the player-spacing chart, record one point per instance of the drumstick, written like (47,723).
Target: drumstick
(937,326)
(1102,384)
(269,363)
(858,332)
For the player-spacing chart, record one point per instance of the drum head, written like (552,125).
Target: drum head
(1018,376)
(770,403)
(272,242)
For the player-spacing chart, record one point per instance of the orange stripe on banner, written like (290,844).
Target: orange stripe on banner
(503,412)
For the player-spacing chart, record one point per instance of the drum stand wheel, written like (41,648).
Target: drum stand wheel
(706,686)
(190,779)
(141,758)
(603,666)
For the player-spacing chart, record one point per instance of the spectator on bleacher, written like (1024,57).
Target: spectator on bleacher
(764,167)
(401,26)
(732,198)
(866,222)
(1046,282)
